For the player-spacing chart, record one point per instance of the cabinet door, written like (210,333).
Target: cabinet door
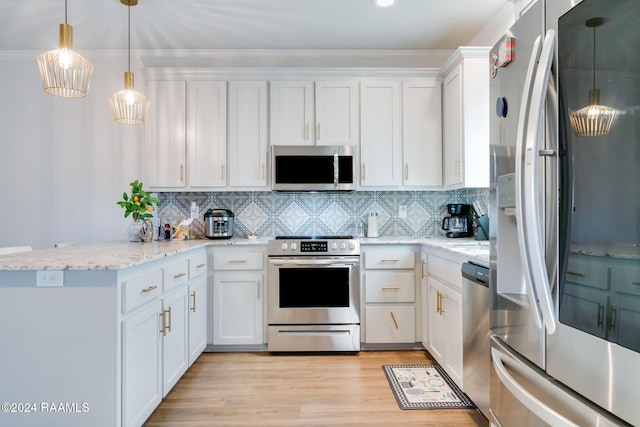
(585,308)
(207,134)
(197,317)
(174,339)
(238,312)
(390,323)
(166,134)
(452,127)
(292,115)
(625,321)
(336,105)
(141,365)
(248,134)
(452,312)
(422,134)
(436,321)
(380,145)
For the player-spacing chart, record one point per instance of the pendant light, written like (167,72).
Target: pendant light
(129,106)
(64,72)
(594,119)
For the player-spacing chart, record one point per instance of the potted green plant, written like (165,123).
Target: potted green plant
(139,204)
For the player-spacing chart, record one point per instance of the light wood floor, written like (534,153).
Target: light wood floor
(261,389)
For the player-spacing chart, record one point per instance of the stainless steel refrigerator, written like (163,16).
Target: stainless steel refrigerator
(565,216)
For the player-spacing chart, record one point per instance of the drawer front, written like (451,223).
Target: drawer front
(625,277)
(197,265)
(175,274)
(446,270)
(390,286)
(139,289)
(588,271)
(390,324)
(396,257)
(236,260)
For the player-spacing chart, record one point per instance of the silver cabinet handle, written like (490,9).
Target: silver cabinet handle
(193,299)
(391,288)
(318,135)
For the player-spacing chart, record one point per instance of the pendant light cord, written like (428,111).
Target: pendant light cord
(65,11)
(129,37)
(594,57)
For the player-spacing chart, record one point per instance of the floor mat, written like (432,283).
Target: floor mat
(425,387)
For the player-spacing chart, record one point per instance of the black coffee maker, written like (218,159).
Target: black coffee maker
(459,223)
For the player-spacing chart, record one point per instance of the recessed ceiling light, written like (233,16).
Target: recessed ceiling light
(384,3)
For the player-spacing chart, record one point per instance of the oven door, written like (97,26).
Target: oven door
(314,291)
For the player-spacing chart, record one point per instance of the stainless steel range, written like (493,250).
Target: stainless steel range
(313,288)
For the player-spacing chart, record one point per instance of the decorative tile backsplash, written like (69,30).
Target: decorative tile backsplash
(272,214)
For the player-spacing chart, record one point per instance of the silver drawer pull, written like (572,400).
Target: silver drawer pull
(237,261)
(391,288)
(179,275)
(201,265)
(389,260)
(149,289)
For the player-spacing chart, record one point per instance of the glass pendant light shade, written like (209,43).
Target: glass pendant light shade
(64,72)
(594,119)
(129,106)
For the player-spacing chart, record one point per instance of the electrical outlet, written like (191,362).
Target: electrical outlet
(402,211)
(49,278)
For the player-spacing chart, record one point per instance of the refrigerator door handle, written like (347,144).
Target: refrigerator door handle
(520,213)
(541,410)
(530,180)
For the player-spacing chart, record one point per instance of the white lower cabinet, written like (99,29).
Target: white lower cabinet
(154,354)
(390,323)
(238,296)
(175,334)
(162,334)
(390,295)
(444,315)
(197,317)
(141,364)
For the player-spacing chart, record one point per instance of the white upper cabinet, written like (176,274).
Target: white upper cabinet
(381,144)
(422,133)
(308,113)
(465,100)
(166,134)
(207,134)
(248,134)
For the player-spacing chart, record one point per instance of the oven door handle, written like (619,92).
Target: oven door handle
(315,262)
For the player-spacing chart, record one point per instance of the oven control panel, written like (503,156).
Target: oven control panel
(313,246)
(317,247)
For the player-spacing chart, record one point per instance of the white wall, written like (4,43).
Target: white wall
(64,162)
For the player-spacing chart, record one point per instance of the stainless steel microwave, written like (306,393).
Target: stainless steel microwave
(313,168)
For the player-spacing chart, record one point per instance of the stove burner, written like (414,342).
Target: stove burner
(313,237)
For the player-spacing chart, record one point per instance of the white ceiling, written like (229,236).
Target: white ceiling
(247,24)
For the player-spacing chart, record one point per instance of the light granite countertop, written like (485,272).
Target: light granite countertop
(119,255)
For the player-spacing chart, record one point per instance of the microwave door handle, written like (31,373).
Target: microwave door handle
(533,216)
(520,214)
(543,411)
(336,171)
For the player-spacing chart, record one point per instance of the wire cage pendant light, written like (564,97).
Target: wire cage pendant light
(129,106)
(64,72)
(594,119)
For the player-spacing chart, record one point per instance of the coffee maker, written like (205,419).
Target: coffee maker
(458,224)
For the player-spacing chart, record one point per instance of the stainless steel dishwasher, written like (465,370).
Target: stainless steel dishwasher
(475,333)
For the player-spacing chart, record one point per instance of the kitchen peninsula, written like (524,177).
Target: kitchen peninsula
(101,333)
